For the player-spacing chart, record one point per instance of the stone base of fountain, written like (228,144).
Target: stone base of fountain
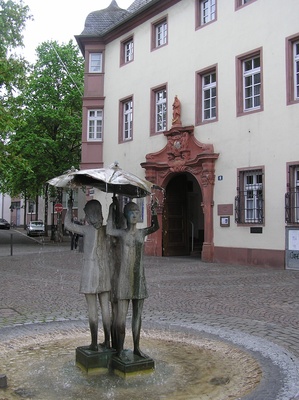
(130,364)
(38,361)
(93,361)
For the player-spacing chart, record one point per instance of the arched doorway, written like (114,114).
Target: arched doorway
(184,156)
(183,219)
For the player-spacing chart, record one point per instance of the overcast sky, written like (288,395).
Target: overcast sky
(59,20)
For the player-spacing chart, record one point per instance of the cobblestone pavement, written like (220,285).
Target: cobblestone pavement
(253,307)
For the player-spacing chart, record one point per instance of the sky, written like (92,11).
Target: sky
(58,20)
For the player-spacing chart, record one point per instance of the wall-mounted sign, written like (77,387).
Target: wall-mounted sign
(225,221)
(292,248)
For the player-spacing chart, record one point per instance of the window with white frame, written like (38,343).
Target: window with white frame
(159,33)
(209,96)
(240,3)
(252,83)
(206,95)
(95,124)
(70,195)
(127,120)
(128,50)
(249,203)
(208,11)
(95,62)
(249,83)
(296,69)
(161,110)
(292,69)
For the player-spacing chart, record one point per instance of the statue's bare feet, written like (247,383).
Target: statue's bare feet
(93,347)
(105,345)
(139,353)
(122,355)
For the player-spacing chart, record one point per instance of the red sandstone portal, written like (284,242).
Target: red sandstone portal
(184,154)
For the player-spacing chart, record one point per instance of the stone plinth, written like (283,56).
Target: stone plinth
(93,361)
(130,364)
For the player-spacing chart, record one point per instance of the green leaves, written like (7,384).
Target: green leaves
(40,107)
(47,136)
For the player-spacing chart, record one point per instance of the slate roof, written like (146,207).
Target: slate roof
(101,21)
(137,4)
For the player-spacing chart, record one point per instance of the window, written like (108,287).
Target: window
(206,95)
(209,96)
(205,11)
(292,195)
(126,120)
(127,51)
(241,3)
(161,110)
(95,62)
(296,69)
(208,11)
(159,34)
(158,112)
(249,202)
(72,195)
(292,63)
(95,124)
(252,83)
(31,206)
(249,83)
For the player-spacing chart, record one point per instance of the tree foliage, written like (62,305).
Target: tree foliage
(13,17)
(47,139)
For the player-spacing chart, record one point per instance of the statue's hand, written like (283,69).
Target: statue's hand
(154,205)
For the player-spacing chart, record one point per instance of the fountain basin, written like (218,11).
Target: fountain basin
(42,366)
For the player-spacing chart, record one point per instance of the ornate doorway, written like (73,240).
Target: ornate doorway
(183,154)
(174,228)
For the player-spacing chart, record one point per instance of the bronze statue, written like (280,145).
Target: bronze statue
(129,281)
(95,277)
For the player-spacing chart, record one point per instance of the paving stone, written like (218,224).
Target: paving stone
(42,287)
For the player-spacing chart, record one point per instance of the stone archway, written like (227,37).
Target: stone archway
(184,153)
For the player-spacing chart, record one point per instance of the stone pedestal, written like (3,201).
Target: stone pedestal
(129,364)
(93,361)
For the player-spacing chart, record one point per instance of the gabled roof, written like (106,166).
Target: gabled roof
(102,21)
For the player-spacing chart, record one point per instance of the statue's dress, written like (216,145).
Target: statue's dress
(95,275)
(128,281)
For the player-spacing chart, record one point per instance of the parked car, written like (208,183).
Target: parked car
(35,228)
(4,224)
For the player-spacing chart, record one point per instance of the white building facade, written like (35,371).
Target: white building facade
(228,155)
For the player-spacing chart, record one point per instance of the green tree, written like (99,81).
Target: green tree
(13,17)
(47,139)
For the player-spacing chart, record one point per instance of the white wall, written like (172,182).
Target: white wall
(268,138)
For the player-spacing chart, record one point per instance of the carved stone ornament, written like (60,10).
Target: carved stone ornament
(183,153)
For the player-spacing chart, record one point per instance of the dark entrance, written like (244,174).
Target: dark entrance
(183,221)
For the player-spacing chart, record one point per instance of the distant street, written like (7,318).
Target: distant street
(19,236)
(16,241)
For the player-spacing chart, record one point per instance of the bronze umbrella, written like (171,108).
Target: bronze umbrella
(111,180)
